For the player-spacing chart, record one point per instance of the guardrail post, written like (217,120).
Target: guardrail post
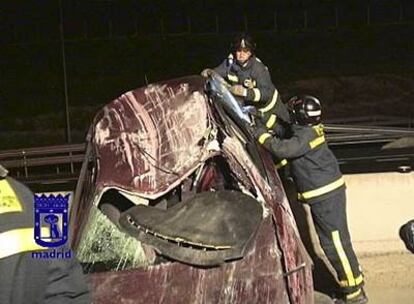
(26,171)
(72,169)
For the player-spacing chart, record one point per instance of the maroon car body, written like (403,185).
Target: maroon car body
(150,142)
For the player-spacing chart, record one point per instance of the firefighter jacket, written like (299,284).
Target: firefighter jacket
(313,166)
(261,92)
(24,279)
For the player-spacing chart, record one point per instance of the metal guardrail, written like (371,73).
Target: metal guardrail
(339,134)
(34,165)
(42,150)
(362,129)
(375,120)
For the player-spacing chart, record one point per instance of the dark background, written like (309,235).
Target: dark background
(115,46)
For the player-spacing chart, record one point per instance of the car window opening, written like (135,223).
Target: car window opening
(105,236)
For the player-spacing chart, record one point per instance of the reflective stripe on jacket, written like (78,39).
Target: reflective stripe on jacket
(261,92)
(313,166)
(23,278)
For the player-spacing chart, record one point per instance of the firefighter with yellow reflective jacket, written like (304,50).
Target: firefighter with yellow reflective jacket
(24,279)
(319,182)
(249,79)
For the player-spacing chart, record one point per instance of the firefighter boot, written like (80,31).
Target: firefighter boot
(358,297)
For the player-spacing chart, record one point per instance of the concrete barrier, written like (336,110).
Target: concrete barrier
(378,204)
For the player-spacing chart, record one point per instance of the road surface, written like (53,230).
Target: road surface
(389,278)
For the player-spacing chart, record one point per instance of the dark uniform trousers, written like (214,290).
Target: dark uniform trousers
(330,220)
(24,279)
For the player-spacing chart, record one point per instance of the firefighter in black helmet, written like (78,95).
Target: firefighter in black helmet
(24,279)
(249,79)
(320,184)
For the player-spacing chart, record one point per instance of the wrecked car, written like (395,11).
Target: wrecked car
(176,203)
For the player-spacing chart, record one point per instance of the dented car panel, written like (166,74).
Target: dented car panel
(160,124)
(147,144)
(257,278)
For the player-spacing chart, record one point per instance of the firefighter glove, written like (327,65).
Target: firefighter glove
(207,73)
(252,110)
(262,135)
(238,90)
(3,172)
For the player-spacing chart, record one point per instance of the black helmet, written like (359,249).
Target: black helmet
(407,235)
(243,41)
(305,110)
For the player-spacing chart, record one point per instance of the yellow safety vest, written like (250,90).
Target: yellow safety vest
(16,240)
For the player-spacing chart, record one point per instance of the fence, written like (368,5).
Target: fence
(107,19)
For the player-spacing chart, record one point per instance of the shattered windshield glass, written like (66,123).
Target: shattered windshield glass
(217,86)
(104,247)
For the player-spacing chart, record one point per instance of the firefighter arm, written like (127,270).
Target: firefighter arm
(264,89)
(282,148)
(288,148)
(222,69)
(280,129)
